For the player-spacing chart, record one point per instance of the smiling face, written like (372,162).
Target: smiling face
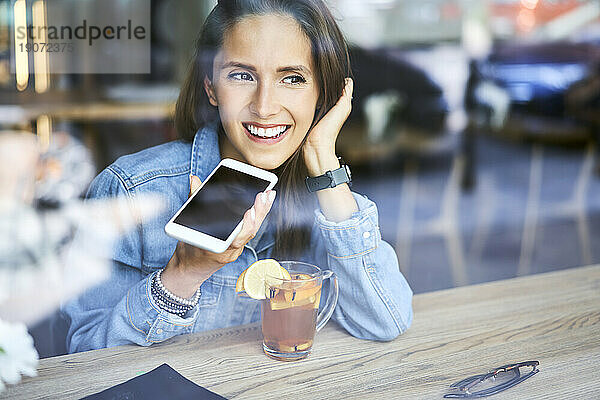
(265,88)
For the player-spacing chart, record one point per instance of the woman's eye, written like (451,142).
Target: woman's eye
(294,79)
(241,76)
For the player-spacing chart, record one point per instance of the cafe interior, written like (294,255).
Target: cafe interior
(474,128)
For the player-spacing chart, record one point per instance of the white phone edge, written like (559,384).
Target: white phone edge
(202,240)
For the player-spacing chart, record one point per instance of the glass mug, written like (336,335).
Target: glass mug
(290,316)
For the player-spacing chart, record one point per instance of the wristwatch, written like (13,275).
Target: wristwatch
(329,179)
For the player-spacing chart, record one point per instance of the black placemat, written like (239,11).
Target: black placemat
(161,383)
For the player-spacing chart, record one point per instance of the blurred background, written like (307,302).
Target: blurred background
(474,125)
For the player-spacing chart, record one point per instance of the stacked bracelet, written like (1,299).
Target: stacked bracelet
(169,302)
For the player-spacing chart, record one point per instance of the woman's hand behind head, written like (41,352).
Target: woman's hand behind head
(320,143)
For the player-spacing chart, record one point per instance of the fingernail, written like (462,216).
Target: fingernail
(252,214)
(271,196)
(263,197)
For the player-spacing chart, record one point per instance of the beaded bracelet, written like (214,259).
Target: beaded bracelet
(165,305)
(170,302)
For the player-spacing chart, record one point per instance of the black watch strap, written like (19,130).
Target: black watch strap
(329,179)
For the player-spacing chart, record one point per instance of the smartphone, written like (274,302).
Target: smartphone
(212,217)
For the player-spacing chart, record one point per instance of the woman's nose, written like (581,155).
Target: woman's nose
(264,104)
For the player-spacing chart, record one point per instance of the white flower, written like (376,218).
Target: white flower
(17,354)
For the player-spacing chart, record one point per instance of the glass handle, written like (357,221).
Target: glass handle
(332,298)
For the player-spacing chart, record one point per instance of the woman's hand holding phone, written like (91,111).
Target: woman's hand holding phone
(190,266)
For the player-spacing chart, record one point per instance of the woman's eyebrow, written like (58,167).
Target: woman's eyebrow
(294,68)
(236,64)
(289,68)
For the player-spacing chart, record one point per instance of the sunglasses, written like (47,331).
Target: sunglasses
(495,381)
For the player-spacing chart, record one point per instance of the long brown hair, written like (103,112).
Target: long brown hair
(293,210)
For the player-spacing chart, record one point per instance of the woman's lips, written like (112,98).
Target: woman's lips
(266,134)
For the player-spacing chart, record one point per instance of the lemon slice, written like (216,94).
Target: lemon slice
(303,292)
(258,275)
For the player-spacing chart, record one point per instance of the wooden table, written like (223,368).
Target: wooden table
(552,317)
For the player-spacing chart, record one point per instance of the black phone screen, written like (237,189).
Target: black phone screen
(220,205)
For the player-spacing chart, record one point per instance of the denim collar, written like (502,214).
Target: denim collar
(206,155)
(205,152)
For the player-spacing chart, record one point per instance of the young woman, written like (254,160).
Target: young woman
(269,85)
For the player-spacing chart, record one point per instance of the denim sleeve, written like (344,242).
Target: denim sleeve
(375,300)
(120,310)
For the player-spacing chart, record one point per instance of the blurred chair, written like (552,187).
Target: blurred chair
(420,101)
(413,107)
(582,103)
(574,207)
(550,95)
(446,224)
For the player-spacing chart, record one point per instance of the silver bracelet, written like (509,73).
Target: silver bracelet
(170,302)
(165,303)
(192,301)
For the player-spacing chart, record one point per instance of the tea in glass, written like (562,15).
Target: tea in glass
(290,312)
(289,316)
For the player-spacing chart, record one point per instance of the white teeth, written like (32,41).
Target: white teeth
(266,132)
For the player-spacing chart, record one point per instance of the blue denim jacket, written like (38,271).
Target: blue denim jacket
(375,301)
